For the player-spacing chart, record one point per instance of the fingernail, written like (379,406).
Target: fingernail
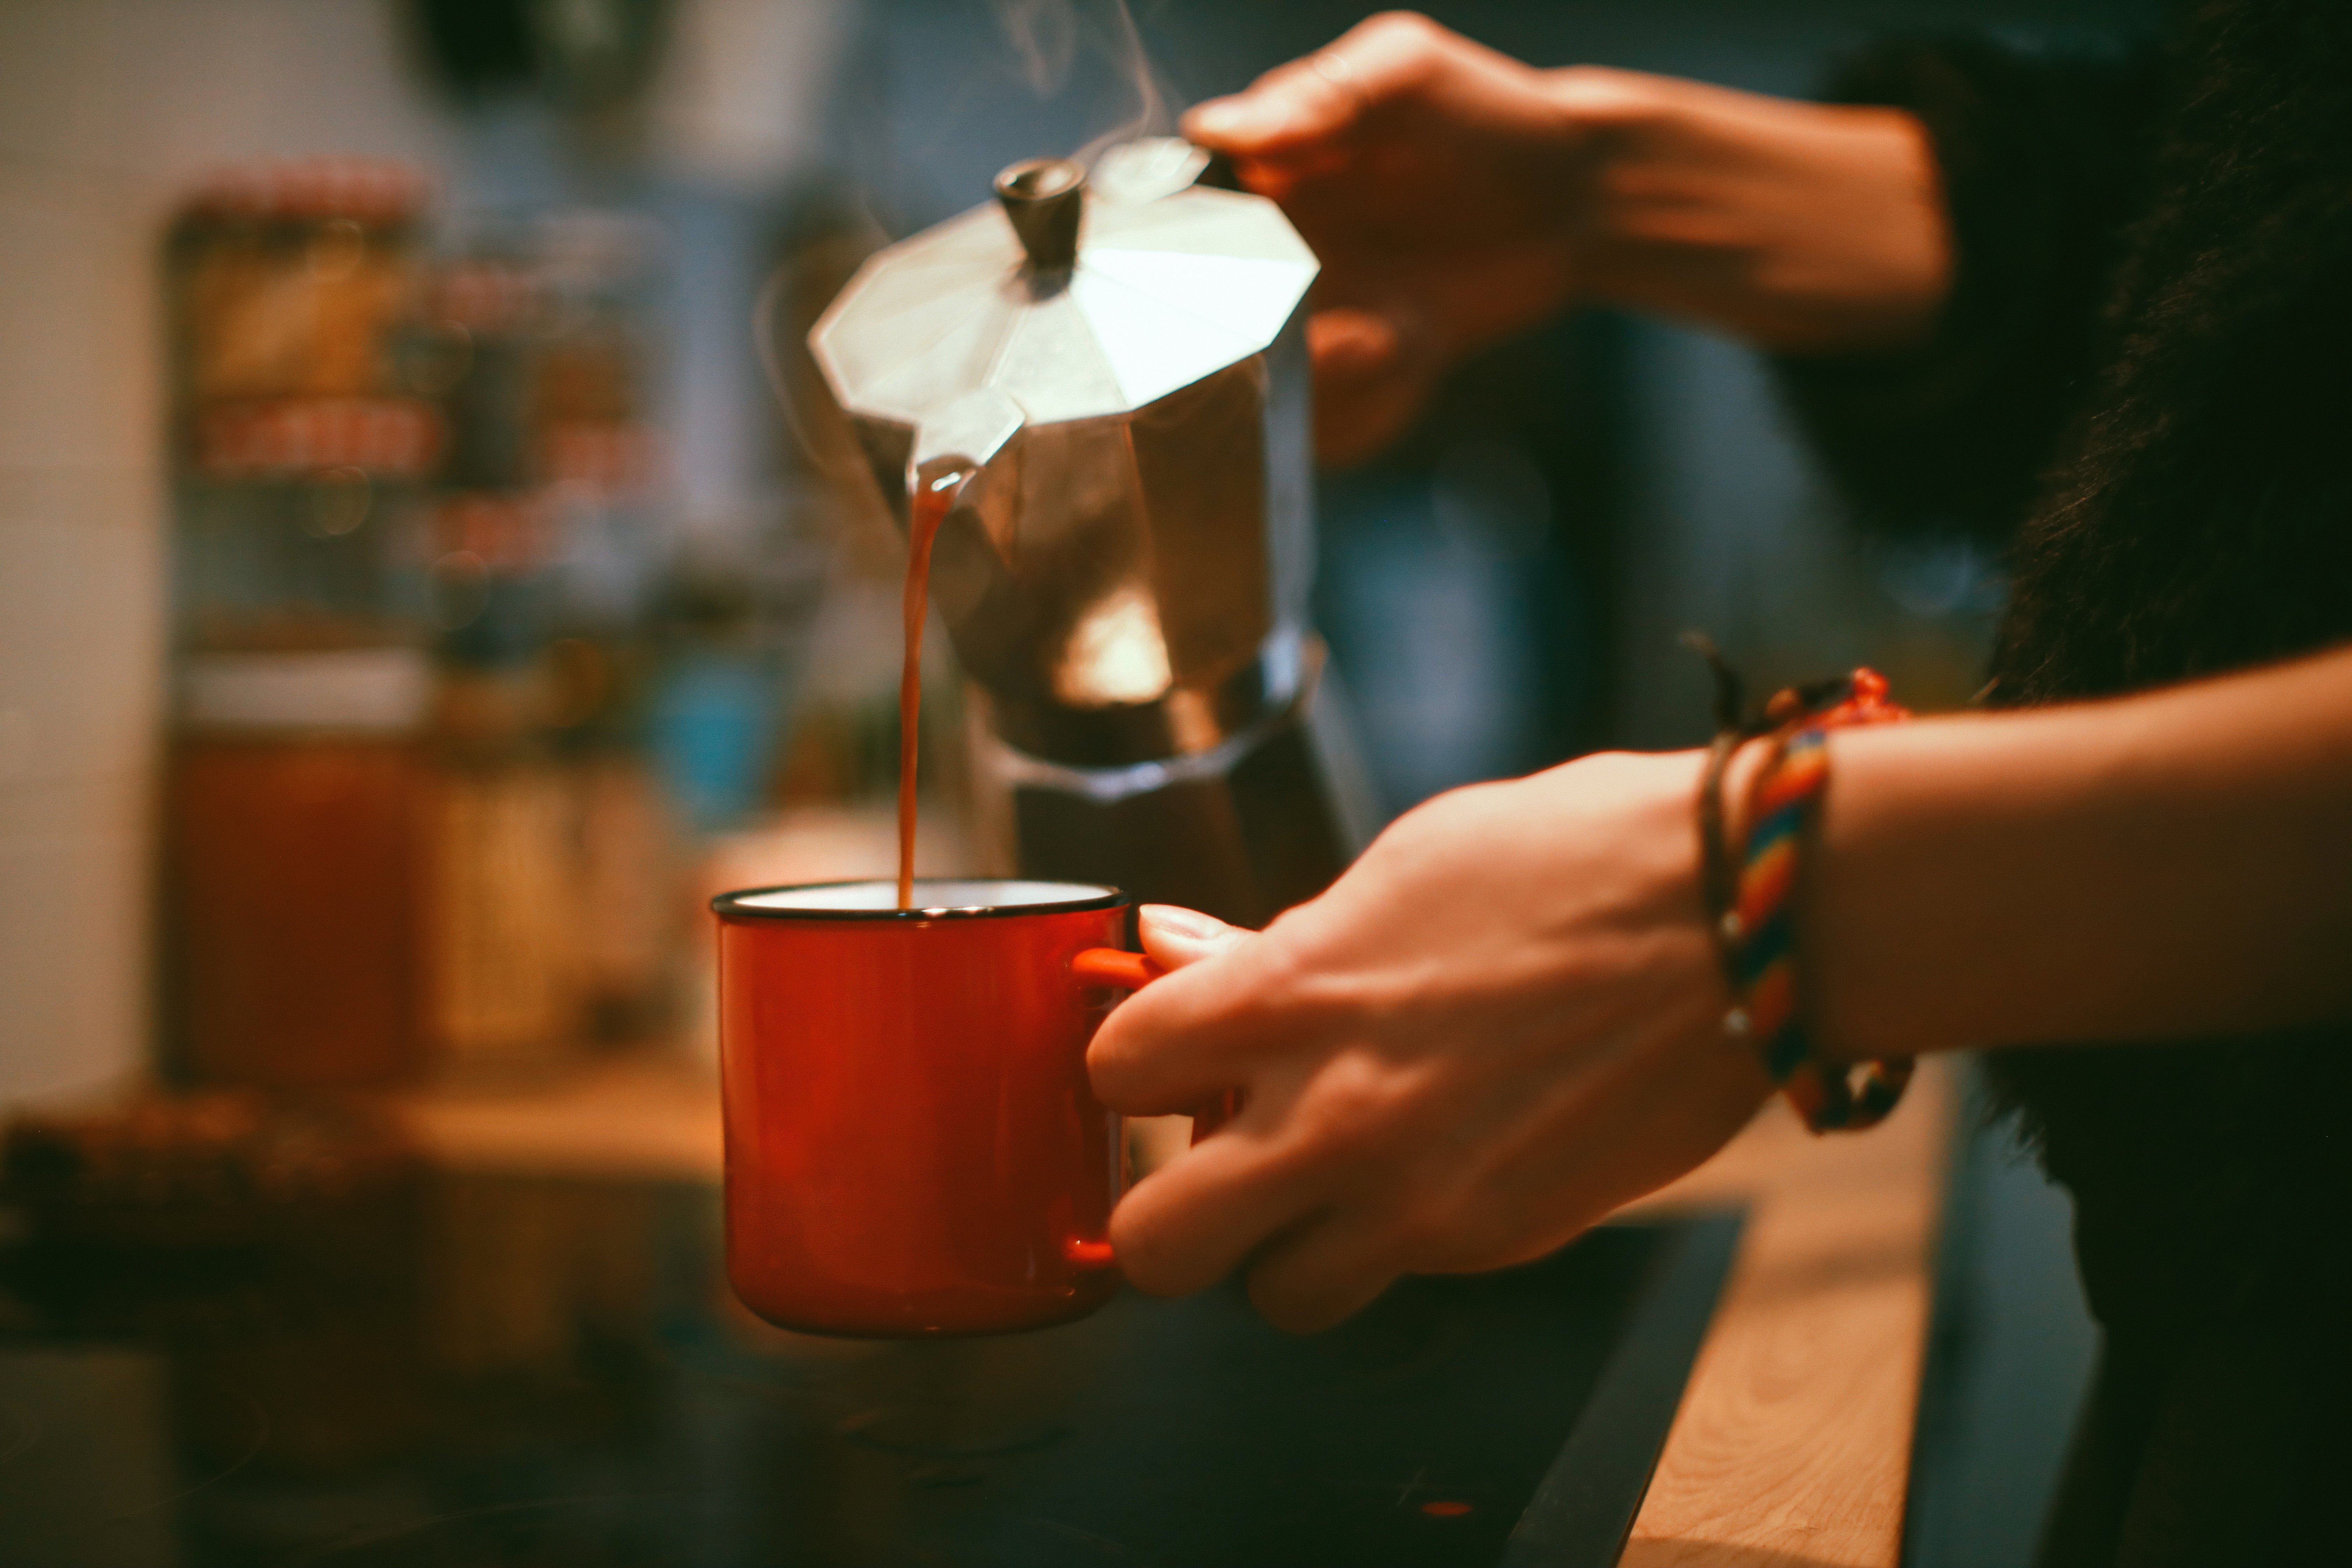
(1225,117)
(1171,921)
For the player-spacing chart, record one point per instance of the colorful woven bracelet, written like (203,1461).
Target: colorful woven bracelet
(1754,912)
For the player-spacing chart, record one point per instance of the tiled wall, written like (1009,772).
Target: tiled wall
(106,108)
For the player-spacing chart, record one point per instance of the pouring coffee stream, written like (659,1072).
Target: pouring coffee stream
(932,496)
(1041,200)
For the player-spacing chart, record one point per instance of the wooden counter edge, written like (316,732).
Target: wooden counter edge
(1792,1445)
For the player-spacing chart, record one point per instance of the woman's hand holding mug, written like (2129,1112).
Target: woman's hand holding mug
(1502,1023)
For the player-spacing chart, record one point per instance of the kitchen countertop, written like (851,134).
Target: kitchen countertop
(1792,1448)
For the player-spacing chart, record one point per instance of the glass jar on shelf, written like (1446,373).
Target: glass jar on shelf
(302,448)
(290,884)
(289,280)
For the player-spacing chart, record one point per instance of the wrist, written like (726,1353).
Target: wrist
(1896,960)
(1804,228)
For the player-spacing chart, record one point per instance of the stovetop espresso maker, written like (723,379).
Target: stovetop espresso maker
(1118,356)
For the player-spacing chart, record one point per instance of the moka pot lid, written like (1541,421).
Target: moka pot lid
(1075,297)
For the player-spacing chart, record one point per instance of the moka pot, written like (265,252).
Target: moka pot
(1117,361)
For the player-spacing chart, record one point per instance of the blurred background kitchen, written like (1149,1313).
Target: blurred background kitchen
(415,600)
(396,526)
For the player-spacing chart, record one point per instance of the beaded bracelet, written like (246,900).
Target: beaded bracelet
(1751,909)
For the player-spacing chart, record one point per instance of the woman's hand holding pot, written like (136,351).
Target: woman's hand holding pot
(1457,196)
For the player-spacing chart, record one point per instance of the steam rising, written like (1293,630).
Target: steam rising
(1049,38)
(1051,42)
(1044,35)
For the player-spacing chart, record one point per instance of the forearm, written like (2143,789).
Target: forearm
(1799,226)
(2158,866)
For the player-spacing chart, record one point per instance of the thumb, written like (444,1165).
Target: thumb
(1176,937)
(1292,110)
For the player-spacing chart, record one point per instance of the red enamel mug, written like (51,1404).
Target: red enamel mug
(912,1148)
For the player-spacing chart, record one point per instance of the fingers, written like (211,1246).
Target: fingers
(1145,1060)
(1323,1272)
(1187,1038)
(1193,1221)
(1176,937)
(1318,101)
(1288,109)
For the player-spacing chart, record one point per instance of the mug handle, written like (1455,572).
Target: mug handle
(1124,971)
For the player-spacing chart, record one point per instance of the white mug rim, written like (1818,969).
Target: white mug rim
(745,903)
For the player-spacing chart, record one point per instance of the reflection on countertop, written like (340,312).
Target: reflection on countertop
(528,1354)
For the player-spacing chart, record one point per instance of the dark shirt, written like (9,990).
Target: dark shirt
(2142,386)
